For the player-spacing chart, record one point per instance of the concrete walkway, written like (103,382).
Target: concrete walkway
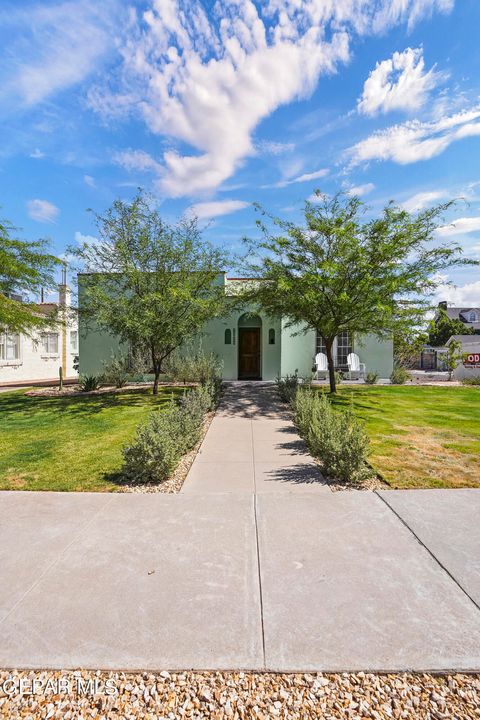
(252,446)
(255,565)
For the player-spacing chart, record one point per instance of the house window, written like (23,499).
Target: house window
(344,347)
(50,343)
(228,336)
(472,316)
(271,336)
(320,345)
(9,347)
(73,341)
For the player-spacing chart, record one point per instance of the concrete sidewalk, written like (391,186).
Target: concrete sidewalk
(252,446)
(262,572)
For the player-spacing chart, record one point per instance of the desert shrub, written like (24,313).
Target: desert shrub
(167,435)
(88,383)
(116,371)
(336,437)
(288,387)
(194,367)
(399,375)
(371,378)
(157,447)
(474,380)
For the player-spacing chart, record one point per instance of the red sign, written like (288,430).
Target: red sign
(471,360)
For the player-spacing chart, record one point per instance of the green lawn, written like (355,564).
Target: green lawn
(69,443)
(421,436)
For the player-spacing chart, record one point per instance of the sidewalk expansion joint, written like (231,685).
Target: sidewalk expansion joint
(258,552)
(432,555)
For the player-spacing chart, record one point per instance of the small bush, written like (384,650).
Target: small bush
(288,387)
(88,383)
(371,378)
(336,437)
(338,377)
(116,371)
(399,375)
(474,380)
(197,367)
(167,435)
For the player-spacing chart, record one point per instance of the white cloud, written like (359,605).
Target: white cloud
(42,210)
(399,83)
(360,190)
(216,208)
(136,160)
(409,11)
(271,147)
(37,154)
(467,295)
(52,47)
(461,226)
(414,140)
(422,200)
(90,181)
(208,81)
(80,239)
(306,177)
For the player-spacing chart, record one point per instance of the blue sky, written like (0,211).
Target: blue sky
(214,105)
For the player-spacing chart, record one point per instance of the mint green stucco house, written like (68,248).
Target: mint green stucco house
(252,346)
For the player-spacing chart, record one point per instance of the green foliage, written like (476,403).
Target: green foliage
(371,378)
(336,437)
(453,356)
(25,268)
(442,329)
(88,383)
(474,380)
(340,271)
(399,375)
(287,387)
(194,367)
(150,284)
(338,377)
(408,343)
(167,435)
(116,371)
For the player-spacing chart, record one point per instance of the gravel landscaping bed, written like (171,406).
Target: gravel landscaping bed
(245,695)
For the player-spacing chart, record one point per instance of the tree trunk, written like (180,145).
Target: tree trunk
(331,365)
(157,369)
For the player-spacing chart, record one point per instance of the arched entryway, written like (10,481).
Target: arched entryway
(249,347)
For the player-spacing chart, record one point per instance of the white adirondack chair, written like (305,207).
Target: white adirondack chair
(355,366)
(321,365)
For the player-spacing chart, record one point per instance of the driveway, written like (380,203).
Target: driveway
(256,564)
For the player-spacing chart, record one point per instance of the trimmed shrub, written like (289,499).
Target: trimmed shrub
(336,437)
(399,375)
(474,380)
(88,383)
(167,435)
(371,378)
(288,387)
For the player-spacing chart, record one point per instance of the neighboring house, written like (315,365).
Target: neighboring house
(252,346)
(468,315)
(470,364)
(25,359)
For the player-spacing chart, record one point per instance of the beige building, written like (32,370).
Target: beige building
(39,357)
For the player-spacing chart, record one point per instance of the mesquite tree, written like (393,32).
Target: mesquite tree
(339,271)
(151,284)
(25,269)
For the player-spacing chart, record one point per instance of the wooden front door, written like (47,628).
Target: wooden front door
(249,367)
